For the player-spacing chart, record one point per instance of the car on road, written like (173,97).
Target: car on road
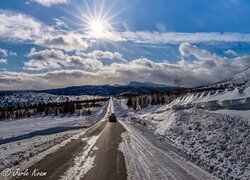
(112,118)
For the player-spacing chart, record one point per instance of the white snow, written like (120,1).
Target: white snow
(247,92)
(211,129)
(240,113)
(28,151)
(121,110)
(100,113)
(217,141)
(154,163)
(239,80)
(82,163)
(13,128)
(213,100)
(19,127)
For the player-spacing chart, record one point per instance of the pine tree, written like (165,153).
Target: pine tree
(153,100)
(163,100)
(140,102)
(130,102)
(135,104)
(89,112)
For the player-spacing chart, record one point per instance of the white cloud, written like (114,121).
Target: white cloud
(147,37)
(5,53)
(206,68)
(50,59)
(231,52)
(67,42)
(186,50)
(49,3)
(97,54)
(106,54)
(17,26)
(60,23)
(22,28)
(3,61)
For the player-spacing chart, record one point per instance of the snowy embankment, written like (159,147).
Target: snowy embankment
(14,153)
(31,139)
(218,141)
(146,160)
(213,100)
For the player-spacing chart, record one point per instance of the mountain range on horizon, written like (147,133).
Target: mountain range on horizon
(238,80)
(135,87)
(132,87)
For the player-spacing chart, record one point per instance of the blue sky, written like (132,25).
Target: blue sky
(58,43)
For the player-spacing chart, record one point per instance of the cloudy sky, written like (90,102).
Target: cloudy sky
(59,43)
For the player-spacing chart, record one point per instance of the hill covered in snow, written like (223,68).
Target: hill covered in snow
(241,79)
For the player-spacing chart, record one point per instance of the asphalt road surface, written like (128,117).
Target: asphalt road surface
(109,162)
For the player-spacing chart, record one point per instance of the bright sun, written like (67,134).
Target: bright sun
(98,23)
(97,28)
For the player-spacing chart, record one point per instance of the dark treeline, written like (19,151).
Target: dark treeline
(143,101)
(79,107)
(137,101)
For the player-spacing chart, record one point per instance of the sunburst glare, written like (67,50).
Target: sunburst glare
(97,28)
(97,23)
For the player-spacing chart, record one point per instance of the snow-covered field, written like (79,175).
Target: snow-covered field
(14,153)
(15,128)
(28,140)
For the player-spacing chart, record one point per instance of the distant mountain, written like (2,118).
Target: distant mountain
(241,79)
(145,84)
(103,90)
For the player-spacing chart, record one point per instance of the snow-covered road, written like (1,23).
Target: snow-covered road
(145,161)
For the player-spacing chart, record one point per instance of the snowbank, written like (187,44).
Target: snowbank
(217,142)
(214,100)
(14,153)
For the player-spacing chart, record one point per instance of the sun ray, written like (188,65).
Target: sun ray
(96,20)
